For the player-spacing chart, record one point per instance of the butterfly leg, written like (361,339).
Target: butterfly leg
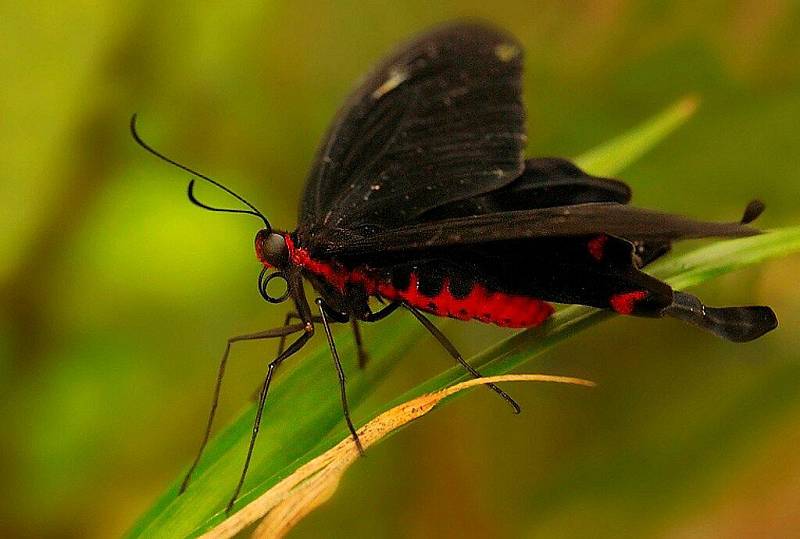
(282,343)
(383,313)
(363,357)
(308,332)
(289,317)
(325,312)
(445,342)
(281,332)
(363,313)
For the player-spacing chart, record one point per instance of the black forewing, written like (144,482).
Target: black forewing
(576,220)
(440,120)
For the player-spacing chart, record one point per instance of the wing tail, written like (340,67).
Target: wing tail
(737,324)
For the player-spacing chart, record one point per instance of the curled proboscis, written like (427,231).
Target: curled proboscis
(263,283)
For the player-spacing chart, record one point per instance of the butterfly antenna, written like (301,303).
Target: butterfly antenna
(193,200)
(253,210)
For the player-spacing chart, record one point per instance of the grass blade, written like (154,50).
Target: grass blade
(620,152)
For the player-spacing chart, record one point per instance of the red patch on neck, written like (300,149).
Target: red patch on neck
(333,272)
(625,303)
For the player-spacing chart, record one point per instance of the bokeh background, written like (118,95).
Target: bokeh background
(117,295)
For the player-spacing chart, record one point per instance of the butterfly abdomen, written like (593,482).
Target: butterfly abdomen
(435,288)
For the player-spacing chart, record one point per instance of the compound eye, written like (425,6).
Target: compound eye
(275,250)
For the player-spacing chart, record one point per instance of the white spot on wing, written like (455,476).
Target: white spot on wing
(396,78)
(506,52)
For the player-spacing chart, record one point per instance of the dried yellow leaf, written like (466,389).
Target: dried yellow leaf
(312,484)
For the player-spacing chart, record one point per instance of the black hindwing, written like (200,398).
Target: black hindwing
(545,182)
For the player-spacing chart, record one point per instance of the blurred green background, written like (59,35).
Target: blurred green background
(117,294)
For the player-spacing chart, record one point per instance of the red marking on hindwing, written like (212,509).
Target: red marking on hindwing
(507,310)
(626,302)
(597,246)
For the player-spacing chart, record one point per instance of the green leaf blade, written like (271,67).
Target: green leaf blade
(608,159)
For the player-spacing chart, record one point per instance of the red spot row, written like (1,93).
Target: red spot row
(497,308)
(597,247)
(626,302)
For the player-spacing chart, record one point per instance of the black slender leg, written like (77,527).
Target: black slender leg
(289,317)
(363,358)
(444,341)
(368,316)
(267,334)
(383,313)
(340,371)
(293,348)
(282,343)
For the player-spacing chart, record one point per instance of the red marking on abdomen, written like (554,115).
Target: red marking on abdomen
(625,303)
(507,310)
(499,308)
(597,247)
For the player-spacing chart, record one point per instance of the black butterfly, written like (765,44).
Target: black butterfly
(420,197)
